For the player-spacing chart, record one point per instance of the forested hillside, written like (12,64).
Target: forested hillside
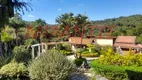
(131,26)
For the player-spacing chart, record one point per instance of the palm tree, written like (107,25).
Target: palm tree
(83,22)
(7,8)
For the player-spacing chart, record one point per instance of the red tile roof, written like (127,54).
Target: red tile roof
(77,40)
(127,42)
(126,39)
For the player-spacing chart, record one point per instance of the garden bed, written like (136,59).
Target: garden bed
(89,54)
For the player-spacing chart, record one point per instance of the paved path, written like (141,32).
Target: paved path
(88,74)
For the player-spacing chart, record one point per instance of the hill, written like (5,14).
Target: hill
(126,26)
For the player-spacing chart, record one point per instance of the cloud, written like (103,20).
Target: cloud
(31,16)
(59,9)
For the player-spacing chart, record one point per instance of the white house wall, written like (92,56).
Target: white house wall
(104,42)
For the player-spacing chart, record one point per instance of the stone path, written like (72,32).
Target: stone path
(81,76)
(88,74)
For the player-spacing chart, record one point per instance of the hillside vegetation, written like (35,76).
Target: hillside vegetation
(125,26)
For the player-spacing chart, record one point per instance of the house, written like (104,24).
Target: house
(122,42)
(127,42)
(103,40)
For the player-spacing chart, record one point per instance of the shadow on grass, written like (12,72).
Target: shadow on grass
(132,75)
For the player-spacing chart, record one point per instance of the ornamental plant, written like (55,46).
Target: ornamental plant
(13,70)
(51,66)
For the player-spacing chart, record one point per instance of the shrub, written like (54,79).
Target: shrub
(21,54)
(50,66)
(79,61)
(66,46)
(13,70)
(113,58)
(29,42)
(5,59)
(113,72)
(89,55)
(80,50)
(65,52)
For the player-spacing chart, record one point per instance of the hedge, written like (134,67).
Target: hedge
(113,72)
(89,54)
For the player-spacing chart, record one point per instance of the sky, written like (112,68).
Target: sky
(49,10)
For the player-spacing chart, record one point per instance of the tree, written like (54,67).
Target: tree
(16,22)
(7,8)
(65,20)
(68,19)
(38,22)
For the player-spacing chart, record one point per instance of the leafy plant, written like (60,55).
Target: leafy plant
(13,70)
(113,58)
(21,54)
(50,66)
(89,54)
(79,61)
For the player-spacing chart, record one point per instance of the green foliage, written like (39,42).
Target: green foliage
(125,26)
(29,42)
(113,72)
(8,34)
(91,51)
(13,70)
(65,52)
(69,20)
(104,50)
(79,61)
(5,37)
(66,46)
(80,50)
(38,22)
(50,66)
(90,47)
(85,54)
(9,7)
(4,60)
(129,59)
(21,54)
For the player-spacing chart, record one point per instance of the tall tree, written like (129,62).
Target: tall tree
(7,8)
(38,22)
(65,20)
(17,22)
(68,19)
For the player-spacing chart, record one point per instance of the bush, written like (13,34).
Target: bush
(21,54)
(5,59)
(50,66)
(65,52)
(79,61)
(29,42)
(113,58)
(113,72)
(66,46)
(13,70)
